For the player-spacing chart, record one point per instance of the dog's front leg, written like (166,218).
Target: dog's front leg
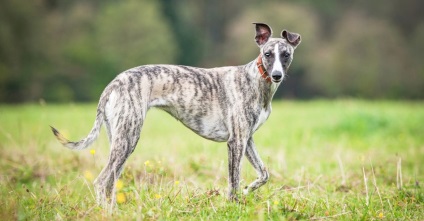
(236,150)
(254,159)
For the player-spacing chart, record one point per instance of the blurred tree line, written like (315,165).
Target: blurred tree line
(60,50)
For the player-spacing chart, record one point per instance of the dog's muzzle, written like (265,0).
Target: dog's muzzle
(277,76)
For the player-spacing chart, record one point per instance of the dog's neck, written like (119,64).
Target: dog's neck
(266,88)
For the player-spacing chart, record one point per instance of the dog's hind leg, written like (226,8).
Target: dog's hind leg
(254,159)
(123,144)
(126,120)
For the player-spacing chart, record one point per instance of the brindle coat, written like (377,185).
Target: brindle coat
(221,104)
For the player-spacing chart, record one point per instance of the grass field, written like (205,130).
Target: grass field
(340,160)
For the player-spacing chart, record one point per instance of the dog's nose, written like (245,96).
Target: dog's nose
(277,75)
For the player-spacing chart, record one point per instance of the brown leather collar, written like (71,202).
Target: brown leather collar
(262,70)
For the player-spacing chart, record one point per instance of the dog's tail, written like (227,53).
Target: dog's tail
(84,143)
(94,133)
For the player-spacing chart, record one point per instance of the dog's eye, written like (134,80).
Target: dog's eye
(267,54)
(286,54)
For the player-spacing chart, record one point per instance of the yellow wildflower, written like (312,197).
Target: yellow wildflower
(119,184)
(88,175)
(276,202)
(176,183)
(92,151)
(121,198)
(381,215)
(147,163)
(158,196)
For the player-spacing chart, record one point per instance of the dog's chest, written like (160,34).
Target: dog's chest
(263,116)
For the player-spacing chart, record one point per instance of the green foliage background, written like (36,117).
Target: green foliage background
(59,50)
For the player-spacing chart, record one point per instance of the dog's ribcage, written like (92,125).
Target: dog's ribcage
(211,102)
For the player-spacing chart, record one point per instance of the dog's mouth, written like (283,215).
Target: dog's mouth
(277,78)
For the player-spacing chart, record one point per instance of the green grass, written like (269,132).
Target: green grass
(341,160)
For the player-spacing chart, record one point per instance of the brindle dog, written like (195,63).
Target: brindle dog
(224,104)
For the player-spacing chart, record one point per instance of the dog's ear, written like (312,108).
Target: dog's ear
(293,38)
(263,33)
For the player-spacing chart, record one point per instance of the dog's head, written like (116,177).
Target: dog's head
(276,53)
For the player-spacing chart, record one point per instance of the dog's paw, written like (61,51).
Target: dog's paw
(233,198)
(246,190)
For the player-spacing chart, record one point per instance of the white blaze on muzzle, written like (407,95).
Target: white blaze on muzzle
(277,67)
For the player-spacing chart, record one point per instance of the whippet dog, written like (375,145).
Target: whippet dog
(224,104)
